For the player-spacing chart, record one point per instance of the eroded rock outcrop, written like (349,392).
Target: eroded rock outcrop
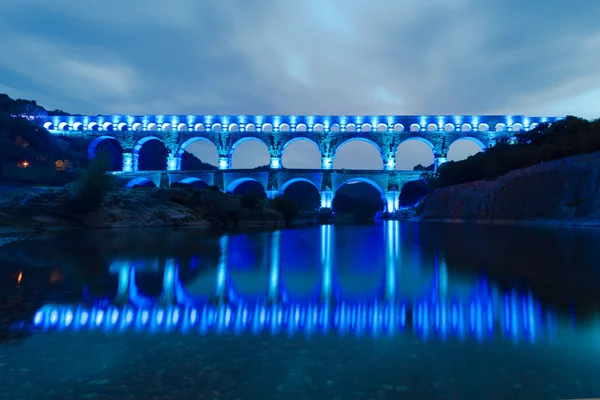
(566,190)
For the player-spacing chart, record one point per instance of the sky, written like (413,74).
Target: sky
(313,57)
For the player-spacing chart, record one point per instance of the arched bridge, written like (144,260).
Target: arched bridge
(327,133)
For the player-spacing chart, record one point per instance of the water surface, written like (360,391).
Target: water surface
(368,312)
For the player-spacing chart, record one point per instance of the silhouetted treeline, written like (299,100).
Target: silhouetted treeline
(565,138)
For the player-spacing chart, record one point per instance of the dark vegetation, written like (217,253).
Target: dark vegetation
(569,137)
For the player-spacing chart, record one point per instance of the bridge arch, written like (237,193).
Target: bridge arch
(414,150)
(334,128)
(295,180)
(63,126)
(309,161)
(48,126)
(140,159)
(137,127)
(94,144)
(182,127)
(448,127)
(77,126)
(206,150)
(141,181)
(364,180)
(468,146)
(370,154)
(237,182)
(195,182)
(284,128)
(233,127)
(260,154)
(92,126)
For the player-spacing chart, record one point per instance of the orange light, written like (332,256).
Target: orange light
(20,277)
(25,164)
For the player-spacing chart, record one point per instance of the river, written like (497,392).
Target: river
(385,311)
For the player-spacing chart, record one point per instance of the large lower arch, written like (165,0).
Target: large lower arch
(464,148)
(348,155)
(301,153)
(261,157)
(111,147)
(360,203)
(364,180)
(413,152)
(303,192)
(150,158)
(194,182)
(140,182)
(202,149)
(236,183)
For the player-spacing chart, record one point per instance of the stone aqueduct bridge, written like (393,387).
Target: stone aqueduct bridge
(327,133)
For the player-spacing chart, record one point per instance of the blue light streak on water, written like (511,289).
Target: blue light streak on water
(517,319)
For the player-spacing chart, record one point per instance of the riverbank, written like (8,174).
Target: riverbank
(54,209)
(563,192)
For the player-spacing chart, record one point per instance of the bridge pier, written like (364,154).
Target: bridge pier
(275,163)
(173,163)
(326,198)
(437,161)
(127,162)
(326,163)
(392,200)
(224,162)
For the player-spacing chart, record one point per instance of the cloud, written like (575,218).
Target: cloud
(315,56)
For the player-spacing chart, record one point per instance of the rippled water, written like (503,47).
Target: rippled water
(368,312)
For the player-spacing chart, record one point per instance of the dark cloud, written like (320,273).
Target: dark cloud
(296,57)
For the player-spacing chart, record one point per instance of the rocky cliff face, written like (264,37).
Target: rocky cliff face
(566,190)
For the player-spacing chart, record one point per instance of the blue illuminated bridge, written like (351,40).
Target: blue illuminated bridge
(326,133)
(481,312)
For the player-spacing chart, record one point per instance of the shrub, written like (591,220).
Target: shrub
(94,184)
(285,206)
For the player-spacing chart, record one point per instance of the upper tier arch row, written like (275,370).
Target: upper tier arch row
(257,123)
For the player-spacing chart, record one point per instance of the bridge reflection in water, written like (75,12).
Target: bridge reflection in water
(483,313)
